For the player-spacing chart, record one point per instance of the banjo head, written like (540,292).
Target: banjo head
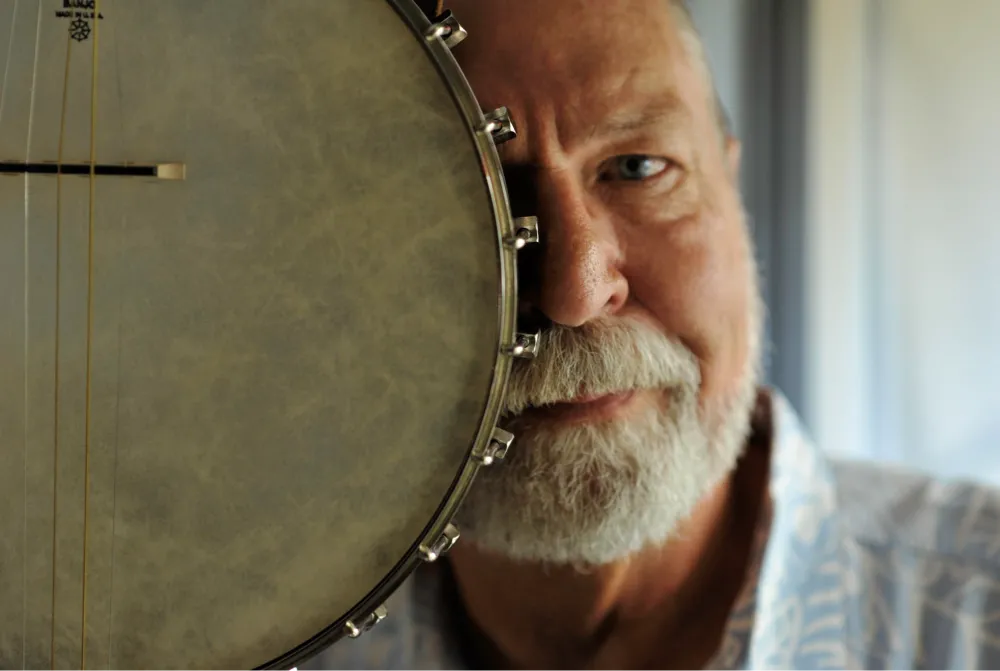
(251,335)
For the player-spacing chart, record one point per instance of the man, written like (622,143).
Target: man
(660,510)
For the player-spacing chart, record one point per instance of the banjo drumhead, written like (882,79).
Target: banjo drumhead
(271,371)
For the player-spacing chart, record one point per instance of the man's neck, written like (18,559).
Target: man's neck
(665,607)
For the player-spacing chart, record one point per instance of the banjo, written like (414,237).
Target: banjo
(257,317)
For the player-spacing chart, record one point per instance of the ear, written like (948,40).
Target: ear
(734,153)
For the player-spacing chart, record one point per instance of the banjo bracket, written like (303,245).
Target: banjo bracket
(525,232)
(443,543)
(525,345)
(499,125)
(448,29)
(496,449)
(355,630)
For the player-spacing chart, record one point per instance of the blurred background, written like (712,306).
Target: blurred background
(871,170)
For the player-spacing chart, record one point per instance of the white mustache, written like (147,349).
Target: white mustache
(606,356)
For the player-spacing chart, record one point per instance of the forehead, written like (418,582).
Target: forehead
(580,61)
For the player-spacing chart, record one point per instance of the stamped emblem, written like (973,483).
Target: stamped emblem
(80,13)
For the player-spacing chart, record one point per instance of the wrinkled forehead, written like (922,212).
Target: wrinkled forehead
(579,55)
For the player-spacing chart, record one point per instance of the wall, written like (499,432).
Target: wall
(904,233)
(722,24)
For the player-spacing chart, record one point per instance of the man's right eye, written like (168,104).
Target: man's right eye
(634,168)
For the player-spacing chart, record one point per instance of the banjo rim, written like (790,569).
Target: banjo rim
(464,99)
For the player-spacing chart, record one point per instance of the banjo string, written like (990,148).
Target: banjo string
(58,313)
(27,274)
(90,320)
(27,302)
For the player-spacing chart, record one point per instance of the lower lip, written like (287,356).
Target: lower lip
(589,408)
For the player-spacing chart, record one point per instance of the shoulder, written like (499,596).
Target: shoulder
(874,566)
(921,567)
(883,505)
(894,508)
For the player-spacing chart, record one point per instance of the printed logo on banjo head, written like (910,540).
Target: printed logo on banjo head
(82,12)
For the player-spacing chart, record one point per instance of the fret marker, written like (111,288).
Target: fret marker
(175,171)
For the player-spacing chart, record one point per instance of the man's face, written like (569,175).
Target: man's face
(645,277)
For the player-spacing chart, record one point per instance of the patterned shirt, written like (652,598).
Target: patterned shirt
(856,566)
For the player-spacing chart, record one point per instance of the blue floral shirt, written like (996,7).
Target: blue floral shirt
(857,566)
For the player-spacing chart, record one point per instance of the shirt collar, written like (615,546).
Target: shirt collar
(797,526)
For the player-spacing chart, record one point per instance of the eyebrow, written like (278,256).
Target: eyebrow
(668,110)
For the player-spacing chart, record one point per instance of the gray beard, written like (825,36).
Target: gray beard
(590,494)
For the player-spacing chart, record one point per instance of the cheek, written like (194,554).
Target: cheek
(691,277)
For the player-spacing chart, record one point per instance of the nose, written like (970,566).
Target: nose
(579,275)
